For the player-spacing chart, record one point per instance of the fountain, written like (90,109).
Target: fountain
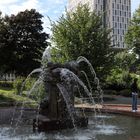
(56,111)
(57,108)
(61,82)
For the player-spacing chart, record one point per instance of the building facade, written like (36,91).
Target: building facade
(116,15)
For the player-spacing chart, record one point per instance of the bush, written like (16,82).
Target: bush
(18,82)
(115,87)
(20,85)
(6,84)
(110,92)
(38,93)
(29,83)
(118,80)
(125,92)
(33,89)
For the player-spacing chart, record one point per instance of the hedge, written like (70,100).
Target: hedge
(6,84)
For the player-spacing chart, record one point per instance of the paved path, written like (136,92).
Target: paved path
(136,138)
(124,109)
(120,105)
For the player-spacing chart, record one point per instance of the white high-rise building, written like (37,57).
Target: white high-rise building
(117,14)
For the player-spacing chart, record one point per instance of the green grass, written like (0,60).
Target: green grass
(9,98)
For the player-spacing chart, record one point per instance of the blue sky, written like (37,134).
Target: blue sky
(51,8)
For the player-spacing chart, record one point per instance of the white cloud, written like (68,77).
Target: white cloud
(5,2)
(14,7)
(51,8)
(59,1)
(55,2)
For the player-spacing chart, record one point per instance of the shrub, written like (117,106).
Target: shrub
(18,84)
(125,92)
(29,83)
(6,84)
(110,92)
(118,80)
(21,84)
(38,93)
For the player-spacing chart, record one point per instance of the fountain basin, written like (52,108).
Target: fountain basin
(101,127)
(42,123)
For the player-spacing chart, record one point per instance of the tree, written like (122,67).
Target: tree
(132,37)
(22,42)
(125,60)
(81,33)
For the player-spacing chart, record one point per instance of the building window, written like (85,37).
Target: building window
(125,26)
(120,25)
(118,19)
(124,1)
(122,19)
(125,14)
(130,14)
(117,6)
(118,44)
(113,18)
(127,20)
(122,7)
(127,8)
(120,38)
(113,5)
(118,31)
(115,12)
(101,7)
(115,25)
(123,32)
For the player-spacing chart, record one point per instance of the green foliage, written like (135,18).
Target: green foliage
(6,84)
(81,33)
(21,84)
(125,60)
(38,93)
(125,92)
(8,98)
(18,84)
(110,92)
(133,75)
(133,35)
(29,83)
(119,79)
(22,42)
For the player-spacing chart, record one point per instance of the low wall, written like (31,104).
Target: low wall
(7,115)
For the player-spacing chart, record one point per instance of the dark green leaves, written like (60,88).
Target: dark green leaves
(21,41)
(81,33)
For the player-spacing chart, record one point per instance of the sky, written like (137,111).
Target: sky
(48,8)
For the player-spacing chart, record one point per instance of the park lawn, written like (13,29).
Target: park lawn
(9,98)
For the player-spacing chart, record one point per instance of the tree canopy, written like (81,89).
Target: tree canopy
(133,35)
(81,33)
(22,41)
